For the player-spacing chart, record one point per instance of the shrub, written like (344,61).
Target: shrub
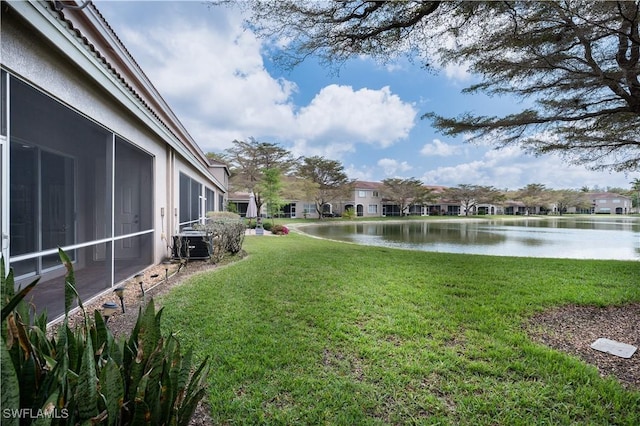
(224,234)
(223,215)
(85,375)
(279,230)
(267,226)
(349,214)
(232,207)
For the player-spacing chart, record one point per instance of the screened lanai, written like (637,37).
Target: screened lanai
(77,186)
(92,158)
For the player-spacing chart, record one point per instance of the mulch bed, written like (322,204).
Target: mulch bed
(572,329)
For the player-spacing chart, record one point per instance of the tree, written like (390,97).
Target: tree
(617,190)
(271,190)
(337,31)
(470,196)
(534,195)
(326,181)
(566,198)
(635,186)
(249,159)
(578,61)
(215,156)
(405,192)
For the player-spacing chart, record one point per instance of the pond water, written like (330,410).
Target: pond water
(558,237)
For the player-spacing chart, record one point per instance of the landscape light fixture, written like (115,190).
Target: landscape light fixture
(166,264)
(108,309)
(119,291)
(153,277)
(139,277)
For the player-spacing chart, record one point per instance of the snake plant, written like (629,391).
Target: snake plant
(86,376)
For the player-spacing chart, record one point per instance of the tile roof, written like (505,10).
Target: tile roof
(360,184)
(604,195)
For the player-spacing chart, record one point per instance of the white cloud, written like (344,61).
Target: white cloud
(457,72)
(222,90)
(473,172)
(467,136)
(302,147)
(371,116)
(219,82)
(391,166)
(510,168)
(507,153)
(365,173)
(440,149)
(393,67)
(212,138)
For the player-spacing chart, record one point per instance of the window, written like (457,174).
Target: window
(362,194)
(210,200)
(376,194)
(195,199)
(373,209)
(455,210)
(308,208)
(190,195)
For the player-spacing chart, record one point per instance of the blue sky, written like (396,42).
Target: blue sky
(219,80)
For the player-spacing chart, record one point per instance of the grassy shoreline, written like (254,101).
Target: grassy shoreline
(308,331)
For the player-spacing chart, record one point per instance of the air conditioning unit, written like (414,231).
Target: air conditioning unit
(191,244)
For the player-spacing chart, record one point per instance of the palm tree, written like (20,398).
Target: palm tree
(635,185)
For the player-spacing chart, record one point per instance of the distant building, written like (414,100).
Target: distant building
(609,203)
(367,200)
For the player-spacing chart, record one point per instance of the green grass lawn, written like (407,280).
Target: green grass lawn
(307,331)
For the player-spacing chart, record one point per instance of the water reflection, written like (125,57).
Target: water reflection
(560,237)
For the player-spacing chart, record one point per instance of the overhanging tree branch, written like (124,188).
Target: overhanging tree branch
(578,60)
